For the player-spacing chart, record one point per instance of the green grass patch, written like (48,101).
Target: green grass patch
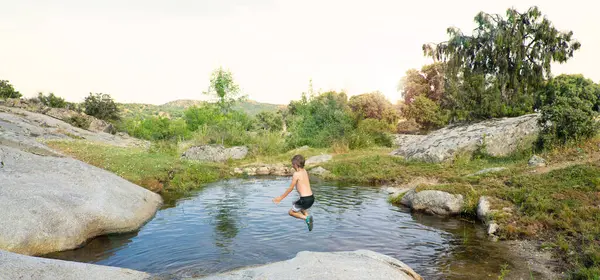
(158,169)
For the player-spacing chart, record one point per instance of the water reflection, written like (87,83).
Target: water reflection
(233,223)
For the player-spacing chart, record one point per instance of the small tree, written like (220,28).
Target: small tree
(7,90)
(567,107)
(269,121)
(224,89)
(101,106)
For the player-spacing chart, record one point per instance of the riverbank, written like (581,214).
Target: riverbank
(556,205)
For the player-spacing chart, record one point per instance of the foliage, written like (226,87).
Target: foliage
(428,82)
(79,121)
(224,89)
(101,106)
(196,117)
(502,65)
(52,100)
(157,128)
(317,121)
(369,133)
(567,107)
(373,106)
(269,121)
(8,91)
(426,113)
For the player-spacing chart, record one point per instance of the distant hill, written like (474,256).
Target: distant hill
(174,109)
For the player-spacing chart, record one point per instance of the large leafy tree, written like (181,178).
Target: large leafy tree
(502,65)
(373,106)
(7,90)
(224,89)
(429,81)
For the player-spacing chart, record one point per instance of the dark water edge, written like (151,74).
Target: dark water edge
(232,224)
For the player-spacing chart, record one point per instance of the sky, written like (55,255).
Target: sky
(151,51)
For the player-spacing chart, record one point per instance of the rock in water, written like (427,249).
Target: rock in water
(433,202)
(357,265)
(502,137)
(15,266)
(483,209)
(215,153)
(318,159)
(536,161)
(52,204)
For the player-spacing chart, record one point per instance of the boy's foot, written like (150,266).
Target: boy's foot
(309,222)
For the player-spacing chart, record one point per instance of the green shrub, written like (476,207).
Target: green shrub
(52,100)
(567,110)
(426,113)
(7,90)
(79,121)
(270,121)
(318,121)
(369,133)
(157,128)
(101,106)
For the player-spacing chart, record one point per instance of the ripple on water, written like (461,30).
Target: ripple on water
(233,223)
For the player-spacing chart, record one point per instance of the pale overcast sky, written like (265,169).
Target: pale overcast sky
(154,51)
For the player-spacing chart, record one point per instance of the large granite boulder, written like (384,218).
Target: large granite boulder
(502,137)
(52,204)
(15,266)
(215,153)
(357,265)
(433,202)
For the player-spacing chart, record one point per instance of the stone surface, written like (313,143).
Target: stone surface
(536,161)
(357,265)
(395,191)
(319,171)
(492,228)
(317,159)
(502,137)
(489,170)
(215,153)
(433,202)
(52,204)
(483,209)
(15,266)
(263,170)
(25,130)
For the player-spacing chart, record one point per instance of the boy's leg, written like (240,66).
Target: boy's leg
(298,215)
(305,212)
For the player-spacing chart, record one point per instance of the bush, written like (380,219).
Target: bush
(373,106)
(320,120)
(567,110)
(426,113)
(79,121)
(52,100)
(101,106)
(157,128)
(7,90)
(269,121)
(371,132)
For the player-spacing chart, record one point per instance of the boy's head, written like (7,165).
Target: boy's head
(298,161)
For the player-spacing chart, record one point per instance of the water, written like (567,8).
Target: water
(231,224)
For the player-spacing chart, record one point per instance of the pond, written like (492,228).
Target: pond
(233,223)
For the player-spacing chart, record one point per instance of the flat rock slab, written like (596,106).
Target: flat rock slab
(52,204)
(318,159)
(357,265)
(215,153)
(15,266)
(502,137)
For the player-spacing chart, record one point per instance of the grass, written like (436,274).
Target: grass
(154,169)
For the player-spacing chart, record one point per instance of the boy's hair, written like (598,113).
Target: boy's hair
(298,160)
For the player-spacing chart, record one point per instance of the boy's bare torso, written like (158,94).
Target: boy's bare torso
(302,183)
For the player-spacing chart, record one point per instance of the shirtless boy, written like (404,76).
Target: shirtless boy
(300,180)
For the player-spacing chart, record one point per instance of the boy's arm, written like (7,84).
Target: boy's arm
(288,191)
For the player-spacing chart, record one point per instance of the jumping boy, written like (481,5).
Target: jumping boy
(300,180)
